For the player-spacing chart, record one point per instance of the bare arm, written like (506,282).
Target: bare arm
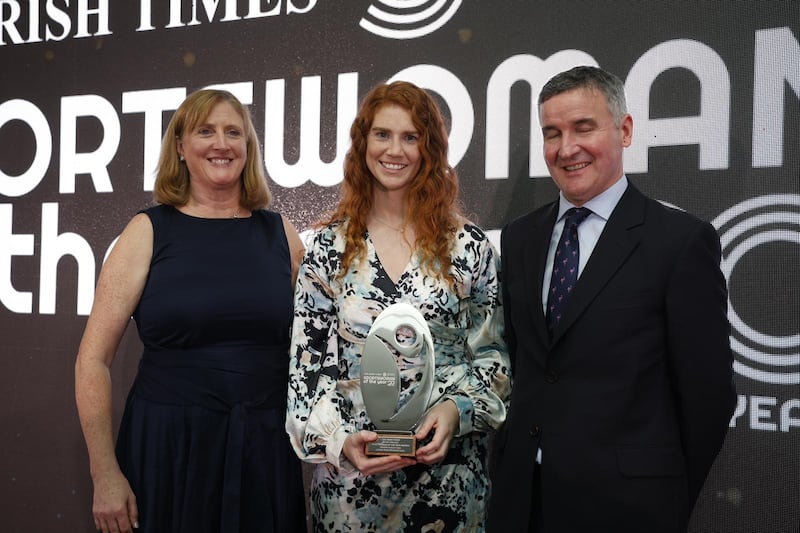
(118,291)
(296,247)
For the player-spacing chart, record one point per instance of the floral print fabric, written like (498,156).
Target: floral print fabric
(331,322)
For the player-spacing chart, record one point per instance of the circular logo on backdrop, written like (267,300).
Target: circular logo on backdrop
(408,19)
(760,248)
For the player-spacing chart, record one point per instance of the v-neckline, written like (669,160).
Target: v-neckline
(402,273)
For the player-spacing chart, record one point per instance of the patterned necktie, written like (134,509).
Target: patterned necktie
(565,266)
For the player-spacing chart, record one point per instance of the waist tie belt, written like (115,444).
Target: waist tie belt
(233,381)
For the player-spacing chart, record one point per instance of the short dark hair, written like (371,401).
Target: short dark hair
(589,77)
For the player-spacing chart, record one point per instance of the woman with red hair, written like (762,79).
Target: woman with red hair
(397,236)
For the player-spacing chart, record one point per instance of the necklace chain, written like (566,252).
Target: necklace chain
(401,229)
(196,210)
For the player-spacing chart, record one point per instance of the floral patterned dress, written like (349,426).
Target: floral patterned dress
(331,322)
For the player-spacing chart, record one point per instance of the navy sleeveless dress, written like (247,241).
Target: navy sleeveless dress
(202,439)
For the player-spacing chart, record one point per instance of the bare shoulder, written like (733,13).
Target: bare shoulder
(296,247)
(140,226)
(136,241)
(292,235)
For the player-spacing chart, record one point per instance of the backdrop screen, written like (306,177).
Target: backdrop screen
(88,87)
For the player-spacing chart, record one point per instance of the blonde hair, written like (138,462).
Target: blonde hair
(172,177)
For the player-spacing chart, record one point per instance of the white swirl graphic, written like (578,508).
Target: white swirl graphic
(408,19)
(767,358)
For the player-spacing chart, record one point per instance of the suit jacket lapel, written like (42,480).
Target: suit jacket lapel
(618,240)
(535,259)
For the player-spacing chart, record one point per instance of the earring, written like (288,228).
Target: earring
(182,158)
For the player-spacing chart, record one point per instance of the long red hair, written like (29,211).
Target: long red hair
(432,196)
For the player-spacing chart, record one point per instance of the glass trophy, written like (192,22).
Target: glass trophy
(399,333)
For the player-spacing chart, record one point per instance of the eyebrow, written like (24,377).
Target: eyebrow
(580,122)
(206,124)
(583,121)
(407,132)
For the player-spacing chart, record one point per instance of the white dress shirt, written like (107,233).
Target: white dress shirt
(589,230)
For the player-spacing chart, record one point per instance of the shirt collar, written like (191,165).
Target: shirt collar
(601,205)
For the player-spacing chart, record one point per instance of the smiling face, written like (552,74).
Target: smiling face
(393,155)
(215,150)
(582,144)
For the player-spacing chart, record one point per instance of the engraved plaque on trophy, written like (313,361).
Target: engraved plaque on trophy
(399,334)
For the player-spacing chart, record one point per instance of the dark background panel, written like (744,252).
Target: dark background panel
(44,480)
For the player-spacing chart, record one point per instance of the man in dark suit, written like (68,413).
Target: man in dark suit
(623,383)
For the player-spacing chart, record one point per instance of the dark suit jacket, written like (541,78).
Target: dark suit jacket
(631,399)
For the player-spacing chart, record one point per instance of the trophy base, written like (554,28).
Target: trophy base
(402,443)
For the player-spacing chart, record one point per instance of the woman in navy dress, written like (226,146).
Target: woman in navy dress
(208,276)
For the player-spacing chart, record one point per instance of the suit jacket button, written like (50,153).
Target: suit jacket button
(534,431)
(551,377)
